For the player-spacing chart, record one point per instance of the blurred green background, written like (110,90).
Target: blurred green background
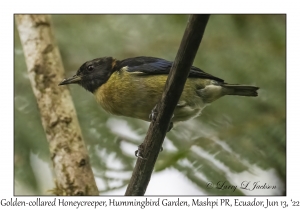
(235,138)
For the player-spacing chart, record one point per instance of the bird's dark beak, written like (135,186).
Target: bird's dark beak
(72,80)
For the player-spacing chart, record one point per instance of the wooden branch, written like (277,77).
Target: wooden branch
(68,152)
(172,92)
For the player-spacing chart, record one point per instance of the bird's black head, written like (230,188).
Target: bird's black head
(92,74)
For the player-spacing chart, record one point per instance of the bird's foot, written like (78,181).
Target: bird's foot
(153,114)
(139,152)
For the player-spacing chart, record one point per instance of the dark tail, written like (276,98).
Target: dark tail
(240,90)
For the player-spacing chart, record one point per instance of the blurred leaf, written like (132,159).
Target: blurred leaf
(169,159)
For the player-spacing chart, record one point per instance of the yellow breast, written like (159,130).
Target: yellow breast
(129,94)
(135,95)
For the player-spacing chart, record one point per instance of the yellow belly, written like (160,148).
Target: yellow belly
(135,95)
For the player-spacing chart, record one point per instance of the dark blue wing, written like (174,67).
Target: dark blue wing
(151,65)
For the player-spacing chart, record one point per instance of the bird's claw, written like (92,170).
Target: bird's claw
(139,152)
(153,114)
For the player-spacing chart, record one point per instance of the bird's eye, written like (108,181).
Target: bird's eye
(90,68)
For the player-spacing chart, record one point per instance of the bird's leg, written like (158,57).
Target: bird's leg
(139,152)
(153,114)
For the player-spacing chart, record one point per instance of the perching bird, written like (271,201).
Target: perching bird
(132,87)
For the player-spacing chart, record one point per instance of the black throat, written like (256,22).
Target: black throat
(92,82)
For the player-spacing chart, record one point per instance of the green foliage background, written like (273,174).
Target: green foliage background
(244,49)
